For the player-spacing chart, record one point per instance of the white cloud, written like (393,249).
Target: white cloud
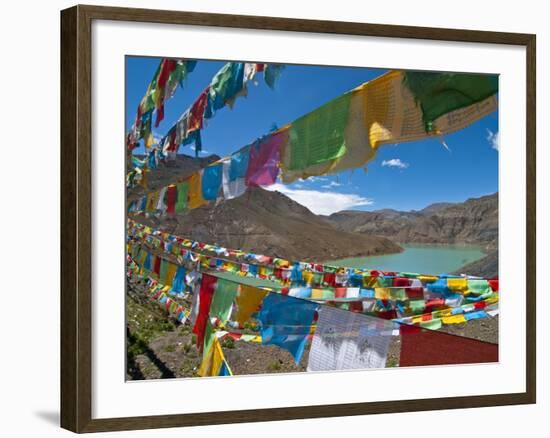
(395,162)
(202,151)
(313,179)
(322,202)
(157,137)
(493,138)
(331,185)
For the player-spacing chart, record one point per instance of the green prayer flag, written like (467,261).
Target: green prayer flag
(479,286)
(384,282)
(222,302)
(163,271)
(319,136)
(209,336)
(398,294)
(440,93)
(417,305)
(181,199)
(433,324)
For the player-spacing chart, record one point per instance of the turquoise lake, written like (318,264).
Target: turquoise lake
(422,259)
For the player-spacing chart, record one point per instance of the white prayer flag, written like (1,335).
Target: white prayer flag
(345,340)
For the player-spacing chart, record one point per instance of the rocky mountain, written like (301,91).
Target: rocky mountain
(474,221)
(261,221)
(485,267)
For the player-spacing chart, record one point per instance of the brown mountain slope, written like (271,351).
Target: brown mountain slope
(474,221)
(263,222)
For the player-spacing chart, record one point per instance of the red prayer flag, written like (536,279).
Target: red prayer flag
(401,282)
(330,279)
(340,292)
(415,293)
(160,114)
(208,285)
(156,266)
(171,195)
(196,113)
(428,347)
(168,66)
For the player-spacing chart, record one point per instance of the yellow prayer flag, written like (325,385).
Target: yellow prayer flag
(247,302)
(427,278)
(382,293)
(454,319)
(213,360)
(457,284)
(194,194)
(307,276)
(170,273)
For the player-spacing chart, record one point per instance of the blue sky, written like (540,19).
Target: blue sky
(408,176)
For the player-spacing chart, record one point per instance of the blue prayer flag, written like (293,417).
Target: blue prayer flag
(286,322)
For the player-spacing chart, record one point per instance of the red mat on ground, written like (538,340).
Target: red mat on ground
(427,347)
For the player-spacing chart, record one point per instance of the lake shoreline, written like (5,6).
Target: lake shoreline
(418,257)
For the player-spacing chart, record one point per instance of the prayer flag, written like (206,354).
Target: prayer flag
(247,302)
(440,93)
(318,136)
(286,322)
(222,302)
(426,347)
(211,182)
(263,166)
(207,287)
(345,340)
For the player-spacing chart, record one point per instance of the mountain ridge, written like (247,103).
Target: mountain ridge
(259,221)
(474,221)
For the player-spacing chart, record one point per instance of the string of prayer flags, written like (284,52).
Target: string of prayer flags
(160,292)
(385,111)
(341,340)
(169,74)
(387,302)
(345,340)
(229,83)
(306,277)
(286,322)
(346,132)
(226,85)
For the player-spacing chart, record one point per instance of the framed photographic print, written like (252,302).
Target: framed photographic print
(268,219)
